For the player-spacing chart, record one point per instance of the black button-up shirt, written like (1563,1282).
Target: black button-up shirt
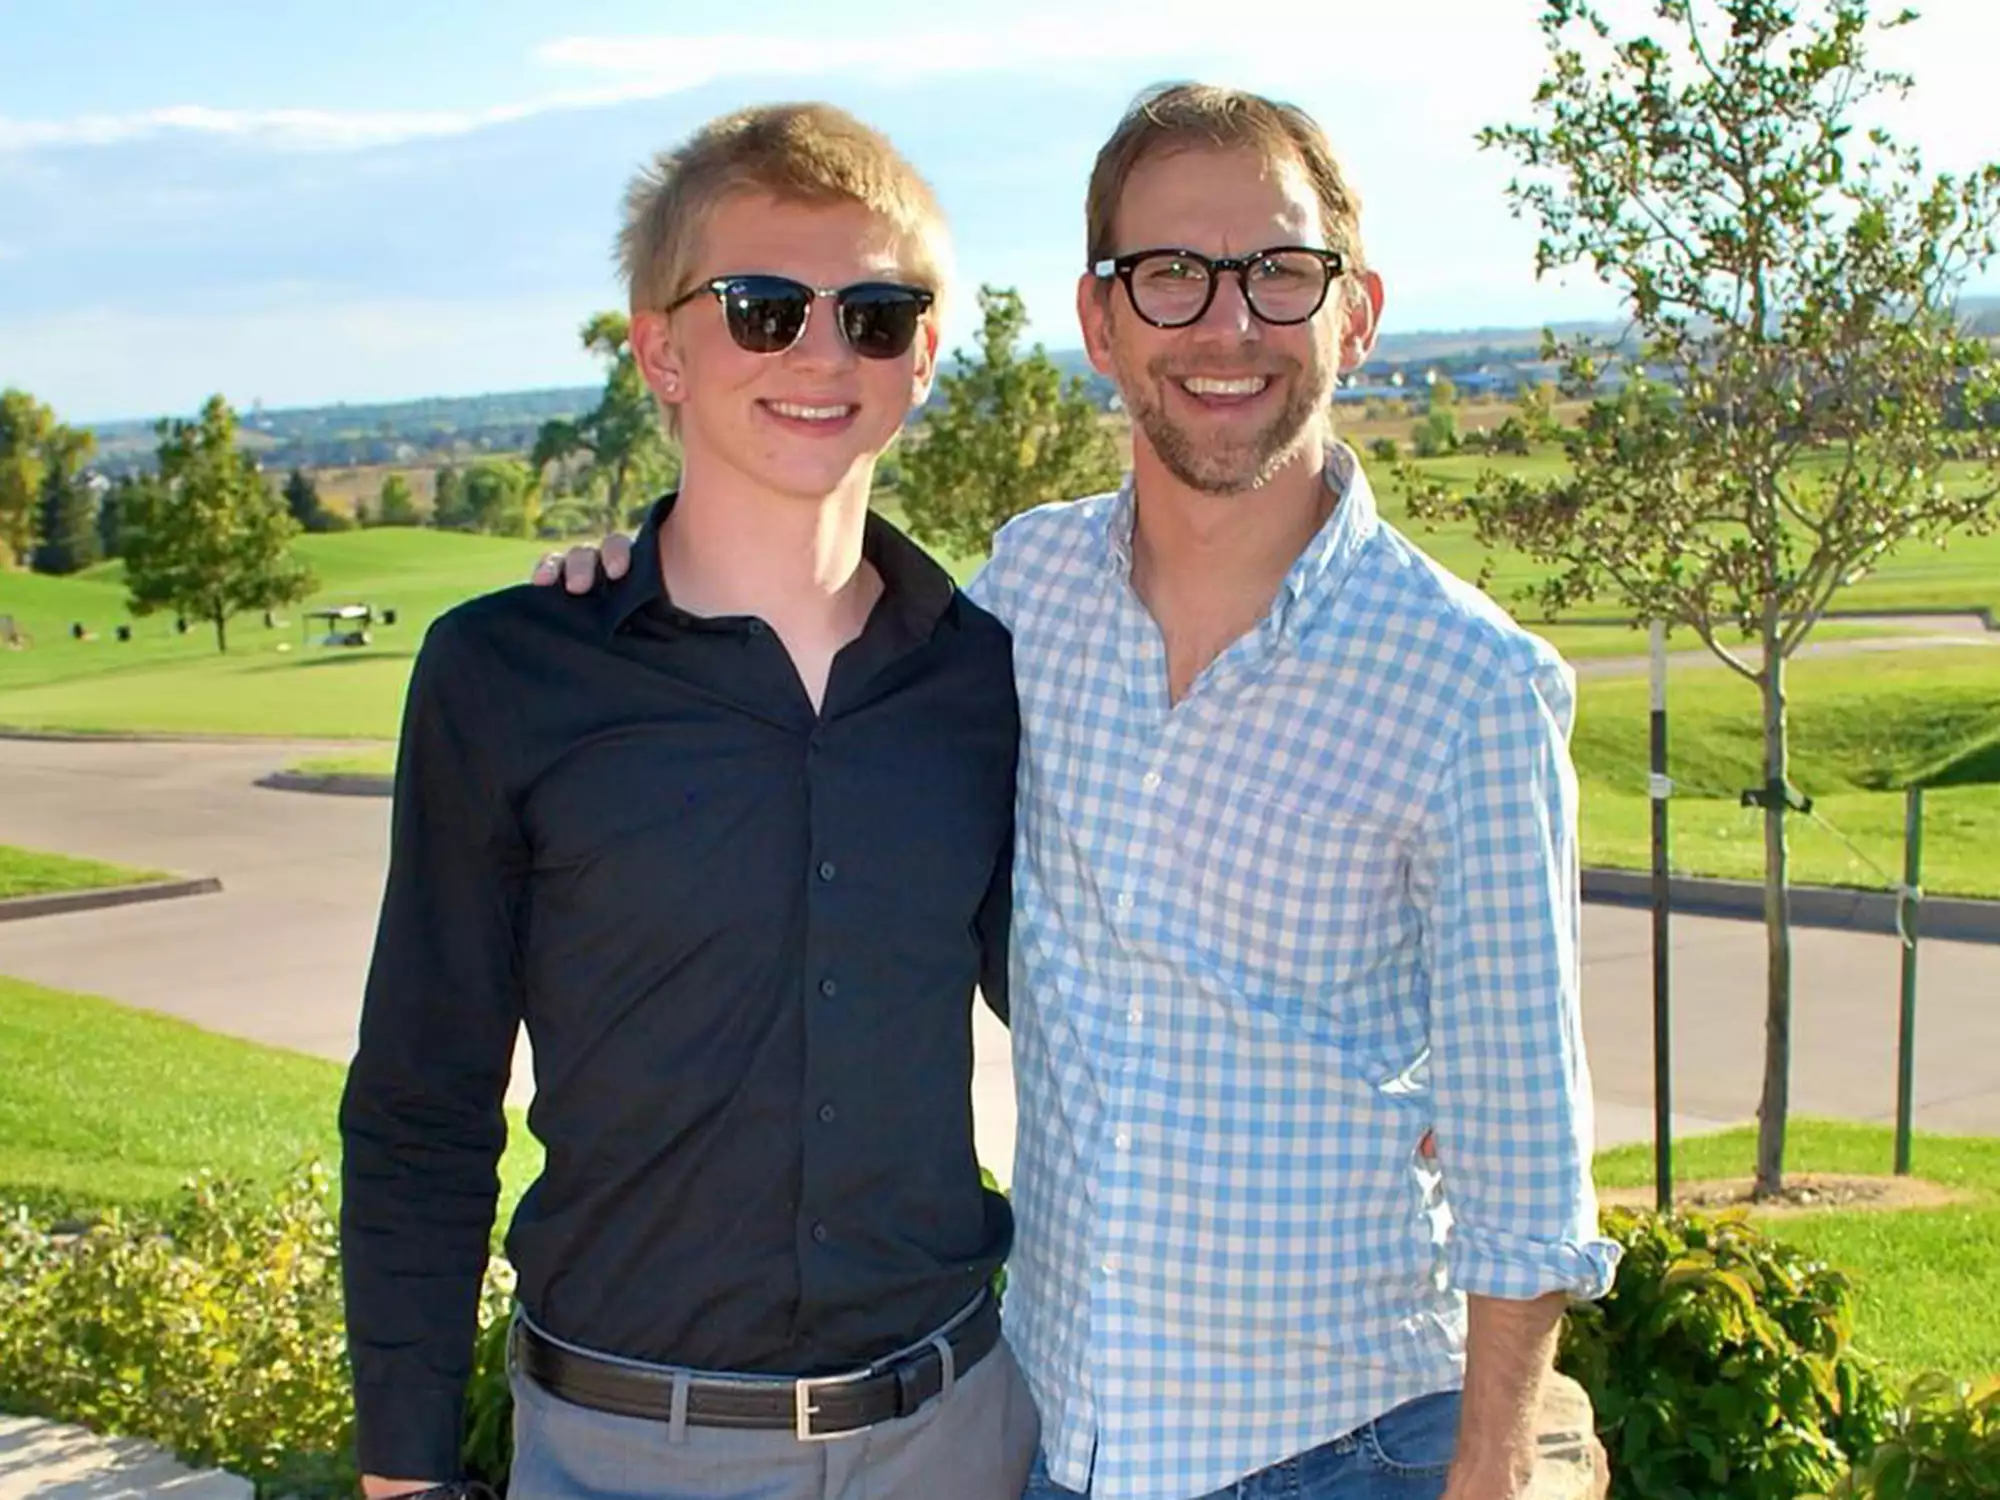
(743,937)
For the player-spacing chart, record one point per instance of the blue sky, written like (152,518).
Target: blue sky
(304,202)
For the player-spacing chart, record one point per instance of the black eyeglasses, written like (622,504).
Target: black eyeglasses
(767,314)
(1173,288)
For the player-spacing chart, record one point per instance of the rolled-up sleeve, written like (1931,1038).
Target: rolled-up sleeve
(1511,1087)
(421,1120)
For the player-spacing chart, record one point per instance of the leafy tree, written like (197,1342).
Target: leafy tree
(303,500)
(111,516)
(496,496)
(448,511)
(1008,433)
(1790,282)
(617,451)
(207,538)
(26,427)
(396,507)
(1436,432)
(68,532)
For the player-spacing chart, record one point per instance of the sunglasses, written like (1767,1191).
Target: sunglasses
(768,314)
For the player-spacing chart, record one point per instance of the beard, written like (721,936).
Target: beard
(1209,463)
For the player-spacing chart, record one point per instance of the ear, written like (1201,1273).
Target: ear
(658,357)
(1362,322)
(923,373)
(1093,315)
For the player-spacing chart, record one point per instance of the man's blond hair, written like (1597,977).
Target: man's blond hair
(1200,116)
(797,153)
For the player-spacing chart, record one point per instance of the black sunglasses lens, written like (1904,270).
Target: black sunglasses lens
(880,322)
(765,313)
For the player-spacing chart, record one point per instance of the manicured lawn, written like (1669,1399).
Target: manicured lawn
(30,872)
(1927,1281)
(1863,729)
(102,1105)
(271,682)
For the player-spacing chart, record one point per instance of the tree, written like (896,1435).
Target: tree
(1008,433)
(68,532)
(396,507)
(111,516)
(26,427)
(624,451)
(495,495)
(448,511)
(207,538)
(1790,283)
(302,499)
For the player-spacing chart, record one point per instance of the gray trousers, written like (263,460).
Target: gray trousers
(973,1442)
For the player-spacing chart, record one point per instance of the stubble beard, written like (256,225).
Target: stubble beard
(1203,464)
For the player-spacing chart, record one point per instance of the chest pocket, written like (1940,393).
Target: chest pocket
(1290,905)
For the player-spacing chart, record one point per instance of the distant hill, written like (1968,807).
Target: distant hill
(438,429)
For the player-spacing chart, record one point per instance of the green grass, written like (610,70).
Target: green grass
(1862,729)
(365,763)
(269,683)
(1964,575)
(30,872)
(1928,1280)
(102,1105)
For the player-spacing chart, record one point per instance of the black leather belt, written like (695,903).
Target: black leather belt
(814,1409)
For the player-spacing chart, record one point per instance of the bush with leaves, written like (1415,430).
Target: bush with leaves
(1721,1364)
(1943,1444)
(216,1332)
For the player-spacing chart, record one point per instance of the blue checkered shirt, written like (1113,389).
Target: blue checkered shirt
(1266,941)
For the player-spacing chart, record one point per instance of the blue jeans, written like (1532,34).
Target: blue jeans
(1404,1454)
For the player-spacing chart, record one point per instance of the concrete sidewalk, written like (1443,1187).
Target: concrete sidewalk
(52,1461)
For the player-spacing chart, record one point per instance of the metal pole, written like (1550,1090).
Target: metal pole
(1659,788)
(1908,904)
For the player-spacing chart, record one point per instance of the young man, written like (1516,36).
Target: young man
(731,839)
(1303,1157)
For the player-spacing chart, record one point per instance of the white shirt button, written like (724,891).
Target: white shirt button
(1111,1264)
(1123,1140)
(1124,900)
(1150,781)
(1135,1015)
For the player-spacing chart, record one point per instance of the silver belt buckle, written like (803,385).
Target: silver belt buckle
(804,1410)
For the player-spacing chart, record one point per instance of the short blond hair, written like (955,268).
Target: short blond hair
(1201,116)
(798,153)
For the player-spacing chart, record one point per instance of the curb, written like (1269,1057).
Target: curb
(1958,918)
(61,1461)
(56,903)
(342,784)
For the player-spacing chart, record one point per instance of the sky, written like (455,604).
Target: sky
(298,202)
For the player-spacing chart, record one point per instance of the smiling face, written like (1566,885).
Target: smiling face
(810,421)
(1228,401)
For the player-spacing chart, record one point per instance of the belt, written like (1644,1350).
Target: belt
(814,1409)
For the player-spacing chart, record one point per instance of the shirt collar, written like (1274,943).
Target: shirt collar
(914,585)
(1320,569)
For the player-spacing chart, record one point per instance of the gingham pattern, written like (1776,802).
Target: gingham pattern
(1263,942)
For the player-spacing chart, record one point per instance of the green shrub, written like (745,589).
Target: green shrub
(1720,1365)
(216,1332)
(1943,1444)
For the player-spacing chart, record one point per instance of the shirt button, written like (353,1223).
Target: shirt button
(757,627)
(819,1234)
(826,1114)
(1123,1141)
(827,869)
(1124,900)
(828,988)
(1111,1264)
(1135,1015)
(1150,781)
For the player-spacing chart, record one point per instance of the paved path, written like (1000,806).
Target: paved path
(279,956)
(1901,633)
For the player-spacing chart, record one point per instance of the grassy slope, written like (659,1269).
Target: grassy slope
(30,872)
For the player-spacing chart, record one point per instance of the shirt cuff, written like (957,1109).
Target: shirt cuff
(1520,1268)
(409,1434)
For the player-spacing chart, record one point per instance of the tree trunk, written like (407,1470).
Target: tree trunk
(1777,930)
(222,632)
